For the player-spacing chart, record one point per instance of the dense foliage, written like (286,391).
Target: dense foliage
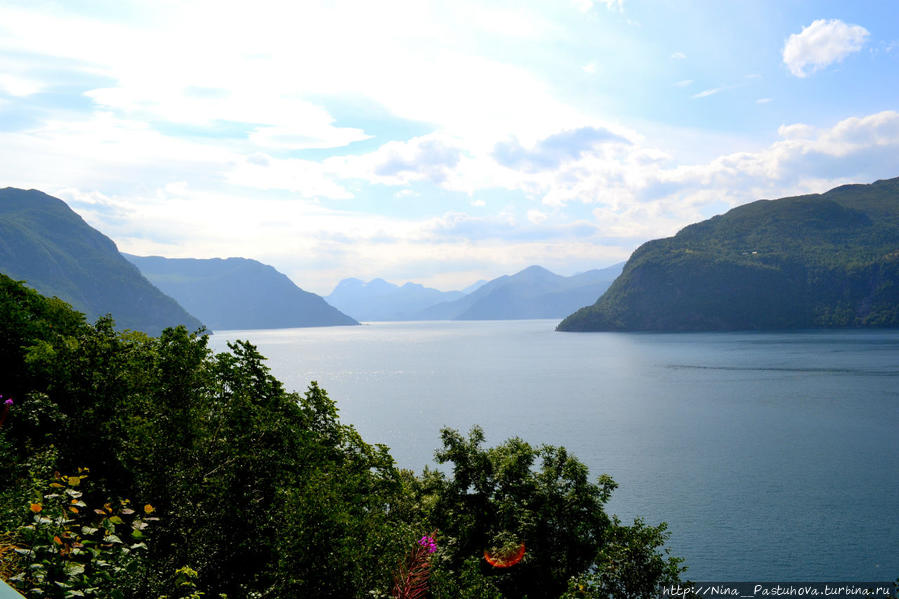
(829,260)
(137,466)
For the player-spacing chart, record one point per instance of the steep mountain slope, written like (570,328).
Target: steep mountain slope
(823,260)
(238,293)
(534,292)
(380,300)
(46,244)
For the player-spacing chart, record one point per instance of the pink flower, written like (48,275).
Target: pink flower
(8,402)
(428,542)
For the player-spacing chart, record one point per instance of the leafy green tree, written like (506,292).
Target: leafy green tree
(633,563)
(498,501)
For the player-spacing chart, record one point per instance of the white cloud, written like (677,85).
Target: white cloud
(307,178)
(707,92)
(763,100)
(639,192)
(304,137)
(586,5)
(536,217)
(519,23)
(820,44)
(589,68)
(19,86)
(683,82)
(678,56)
(102,150)
(427,158)
(796,131)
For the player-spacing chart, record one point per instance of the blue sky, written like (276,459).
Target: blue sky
(438,142)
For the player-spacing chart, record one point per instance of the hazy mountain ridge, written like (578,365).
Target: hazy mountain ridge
(822,260)
(46,244)
(238,293)
(379,300)
(534,292)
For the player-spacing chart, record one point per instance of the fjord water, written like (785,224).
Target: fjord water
(772,456)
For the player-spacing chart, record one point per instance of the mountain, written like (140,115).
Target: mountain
(238,293)
(475,286)
(51,248)
(380,300)
(534,292)
(814,261)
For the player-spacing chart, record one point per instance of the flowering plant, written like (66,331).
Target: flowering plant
(6,405)
(429,543)
(411,580)
(71,550)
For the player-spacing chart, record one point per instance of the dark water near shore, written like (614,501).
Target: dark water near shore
(772,456)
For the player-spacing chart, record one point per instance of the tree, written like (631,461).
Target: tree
(516,502)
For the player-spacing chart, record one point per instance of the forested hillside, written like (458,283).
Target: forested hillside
(46,244)
(828,260)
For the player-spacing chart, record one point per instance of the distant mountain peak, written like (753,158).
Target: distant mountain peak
(535,268)
(534,292)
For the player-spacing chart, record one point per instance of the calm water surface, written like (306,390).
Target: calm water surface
(772,456)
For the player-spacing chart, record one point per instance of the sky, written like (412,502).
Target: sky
(437,142)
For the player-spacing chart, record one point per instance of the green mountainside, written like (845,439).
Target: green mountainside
(51,248)
(238,293)
(815,261)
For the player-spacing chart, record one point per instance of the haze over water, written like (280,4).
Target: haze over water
(772,456)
